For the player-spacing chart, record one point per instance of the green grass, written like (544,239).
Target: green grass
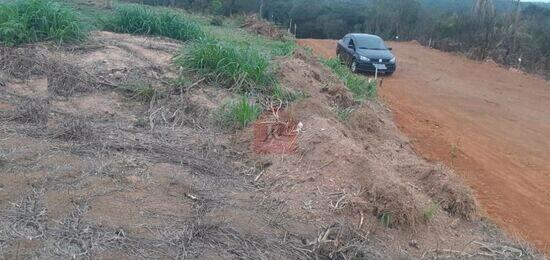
(360,87)
(241,68)
(28,21)
(138,90)
(386,219)
(238,114)
(140,19)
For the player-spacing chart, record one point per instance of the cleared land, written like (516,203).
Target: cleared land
(489,123)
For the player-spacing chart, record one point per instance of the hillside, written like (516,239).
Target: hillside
(165,134)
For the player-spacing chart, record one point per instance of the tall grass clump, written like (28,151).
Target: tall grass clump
(139,19)
(238,114)
(240,67)
(360,87)
(27,21)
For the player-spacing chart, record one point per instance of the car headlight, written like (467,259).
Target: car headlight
(363,58)
(393,60)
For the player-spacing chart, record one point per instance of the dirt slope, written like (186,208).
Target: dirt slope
(489,123)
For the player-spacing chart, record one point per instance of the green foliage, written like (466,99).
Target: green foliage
(217,7)
(284,48)
(138,90)
(238,114)
(386,219)
(242,68)
(344,113)
(27,21)
(139,19)
(360,87)
(216,21)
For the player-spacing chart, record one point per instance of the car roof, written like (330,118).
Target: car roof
(363,35)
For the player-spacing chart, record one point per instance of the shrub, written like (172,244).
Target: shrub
(238,114)
(360,87)
(27,21)
(241,67)
(139,19)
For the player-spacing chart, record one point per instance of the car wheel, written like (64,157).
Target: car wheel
(353,66)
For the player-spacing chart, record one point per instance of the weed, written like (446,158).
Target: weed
(285,48)
(285,95)
(243,68)
(344,113)
(26,21)
(238,114)
(360,87)
(386,219)
(138,90)
(431,211)
(139,19)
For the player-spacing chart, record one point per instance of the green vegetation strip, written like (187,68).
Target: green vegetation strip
(140,19)
(360,87)
(28,21)
(243,68)
(238,114)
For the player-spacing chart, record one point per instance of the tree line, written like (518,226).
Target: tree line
(508,31)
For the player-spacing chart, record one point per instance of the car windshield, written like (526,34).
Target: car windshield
(371,43)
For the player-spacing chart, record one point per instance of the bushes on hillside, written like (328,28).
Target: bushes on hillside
(27,21)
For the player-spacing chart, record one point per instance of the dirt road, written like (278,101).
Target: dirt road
(490,124)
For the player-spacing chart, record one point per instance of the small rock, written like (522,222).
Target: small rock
(414,244)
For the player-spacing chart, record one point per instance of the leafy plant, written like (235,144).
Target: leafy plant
(238,114)
(27,21)
(242,68)
(139,19)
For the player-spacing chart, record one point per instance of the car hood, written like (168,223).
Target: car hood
(375,54)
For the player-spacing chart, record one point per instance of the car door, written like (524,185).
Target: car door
(350,50)
(341,52)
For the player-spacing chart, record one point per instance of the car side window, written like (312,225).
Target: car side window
(345,41)
(351,44)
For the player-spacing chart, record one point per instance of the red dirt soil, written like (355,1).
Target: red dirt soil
(491,124)
(275,136)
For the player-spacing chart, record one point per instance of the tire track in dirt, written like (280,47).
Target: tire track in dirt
(490,124)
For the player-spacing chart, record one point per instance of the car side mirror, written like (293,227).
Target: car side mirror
(351,46)
(390,48)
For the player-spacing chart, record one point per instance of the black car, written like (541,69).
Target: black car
(366,52)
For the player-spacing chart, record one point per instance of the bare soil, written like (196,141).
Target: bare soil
(489,123)
(89,171)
